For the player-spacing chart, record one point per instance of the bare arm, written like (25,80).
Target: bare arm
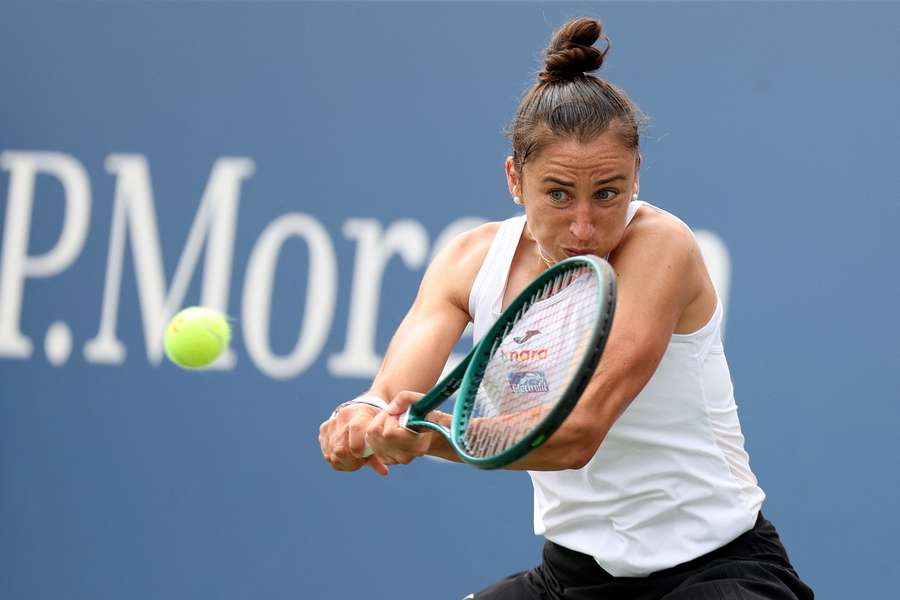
(417,352)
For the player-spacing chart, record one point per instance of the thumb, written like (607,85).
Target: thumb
(402,401)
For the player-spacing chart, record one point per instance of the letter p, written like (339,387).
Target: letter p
(15,263)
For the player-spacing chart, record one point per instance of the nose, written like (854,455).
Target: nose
(582,226)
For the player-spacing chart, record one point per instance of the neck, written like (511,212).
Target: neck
(542,256)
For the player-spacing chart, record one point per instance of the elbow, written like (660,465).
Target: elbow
(582,450)
(579,460)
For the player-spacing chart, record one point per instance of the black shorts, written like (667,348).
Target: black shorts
(754,566)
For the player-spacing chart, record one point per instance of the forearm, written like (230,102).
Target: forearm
(581,434)
(570,447)
(618,380)
(565,449)
(416,356)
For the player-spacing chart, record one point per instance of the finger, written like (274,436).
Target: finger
(377,465)
(341,454)
(378,443)
(372,431)
(402,401)
(339,442)
(373,441)
(394,438)
(324,432)
(395,433)
(357,437)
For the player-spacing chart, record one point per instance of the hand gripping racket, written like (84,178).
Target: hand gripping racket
(524,377)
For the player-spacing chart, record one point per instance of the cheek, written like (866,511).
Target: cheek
(613,226)
(546,223)
(614,220)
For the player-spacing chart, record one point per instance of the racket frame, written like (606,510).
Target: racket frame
(467,375)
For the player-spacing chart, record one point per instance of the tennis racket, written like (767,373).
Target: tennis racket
(524,377)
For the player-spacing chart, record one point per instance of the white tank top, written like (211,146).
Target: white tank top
(671,480)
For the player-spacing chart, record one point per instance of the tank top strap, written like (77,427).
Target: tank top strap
(633,207)
(486,296)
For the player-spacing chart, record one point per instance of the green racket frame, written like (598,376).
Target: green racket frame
(467,375)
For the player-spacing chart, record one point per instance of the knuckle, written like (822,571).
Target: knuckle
(365,411)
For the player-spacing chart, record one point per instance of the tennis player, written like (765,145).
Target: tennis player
(645,491)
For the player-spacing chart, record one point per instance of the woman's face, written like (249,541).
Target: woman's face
(576,194)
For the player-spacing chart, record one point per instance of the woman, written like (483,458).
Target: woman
(645,491)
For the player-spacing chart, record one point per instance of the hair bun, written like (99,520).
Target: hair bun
(572,53)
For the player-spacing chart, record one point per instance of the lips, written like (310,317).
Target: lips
(577,251)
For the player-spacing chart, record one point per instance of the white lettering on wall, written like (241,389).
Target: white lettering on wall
(321,292)
(214,228)
(15,264)
(374,249)
(134,216)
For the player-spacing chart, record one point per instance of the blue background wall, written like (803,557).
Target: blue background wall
(775,126)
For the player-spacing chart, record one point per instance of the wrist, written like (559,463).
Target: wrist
(368,400)
(437,443)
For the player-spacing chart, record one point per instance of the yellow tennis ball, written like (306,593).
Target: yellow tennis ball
(196,336)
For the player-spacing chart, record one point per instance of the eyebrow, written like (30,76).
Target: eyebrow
(572,184)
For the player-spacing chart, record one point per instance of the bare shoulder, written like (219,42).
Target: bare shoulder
(655,223)
(660,255)
(654,233)
(470,246)
(453,270)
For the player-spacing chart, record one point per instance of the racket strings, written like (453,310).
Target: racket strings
(531,367)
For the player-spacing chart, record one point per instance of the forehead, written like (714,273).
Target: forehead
(602,155)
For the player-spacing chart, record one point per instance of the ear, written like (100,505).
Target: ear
(637,176)
(512,178)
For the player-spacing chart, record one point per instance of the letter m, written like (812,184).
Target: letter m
(134,217)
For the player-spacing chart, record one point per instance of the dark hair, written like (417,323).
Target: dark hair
(568,101)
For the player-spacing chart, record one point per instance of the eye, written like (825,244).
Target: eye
(558,196)
(606,195)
